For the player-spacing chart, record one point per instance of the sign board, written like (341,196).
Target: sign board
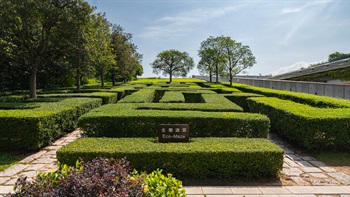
(174,133)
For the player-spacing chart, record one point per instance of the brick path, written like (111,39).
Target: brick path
(313,178)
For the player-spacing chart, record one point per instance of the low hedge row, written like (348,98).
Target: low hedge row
(201,158)
(220,100)
(141,96)
(172,97)
(31,129)
(313,128)
(125,120)
(309,99)
(107,97)
(241,99)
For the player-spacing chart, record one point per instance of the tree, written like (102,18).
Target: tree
(211,60)
(237,57)
(173,63)
(33,32)
(127,59)
(103,57)
(338,56)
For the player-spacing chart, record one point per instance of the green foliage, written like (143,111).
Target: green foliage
(99,177)
(172,97)
(107,97)
(201,158)
(141,96)
(304,98)
(159,185)
(126,120)
(311,127)
(338,56)
(164,80)
(241,99)
(173,63)
(33,128)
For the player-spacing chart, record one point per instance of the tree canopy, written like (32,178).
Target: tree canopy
(338,56)
(173,63)
(224,56)
(51,43)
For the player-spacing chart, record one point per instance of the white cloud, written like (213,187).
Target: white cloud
(184,22)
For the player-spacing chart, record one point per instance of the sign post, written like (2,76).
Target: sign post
(174,133)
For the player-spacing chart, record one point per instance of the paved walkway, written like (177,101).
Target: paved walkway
(308,176)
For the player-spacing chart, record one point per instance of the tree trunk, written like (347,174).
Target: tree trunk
(102,79)
(210,76)
(113,78)
(231,78)
(171,76)
(217,73)
(32,83)
(78,78)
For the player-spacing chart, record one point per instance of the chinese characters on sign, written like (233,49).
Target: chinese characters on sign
(174,133)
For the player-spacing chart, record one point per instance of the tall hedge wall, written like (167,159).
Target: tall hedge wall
(221,158)
(31,129)
(313,128)
(125,120)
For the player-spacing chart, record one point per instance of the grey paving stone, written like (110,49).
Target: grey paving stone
(5,190)
(4,179)
(44,161)
(310,169)
(293,157)
(217,190)
(304,164)
(307,158)
(245,190)
(29,174)
(35,167)
(274,190)
(318,163)
(194,190)
(195,195)
(318,175)
(300,181)
(344,178)
(324,182)
(328,169)
(290,162)
(11,182)
(292,171)
(33,157)
(11,171)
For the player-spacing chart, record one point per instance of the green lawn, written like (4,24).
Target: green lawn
(334,158)
(8,159)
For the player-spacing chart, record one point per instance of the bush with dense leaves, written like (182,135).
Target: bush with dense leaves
(100,177)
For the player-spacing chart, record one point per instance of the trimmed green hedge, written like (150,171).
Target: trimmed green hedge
(125,120)
(241,99)
(304,98)
(313,128)
(220,101)
(201,158)
(107,97)
(32,129)
(172,97)
(141,96)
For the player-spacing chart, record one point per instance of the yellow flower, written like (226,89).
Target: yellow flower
(145,188)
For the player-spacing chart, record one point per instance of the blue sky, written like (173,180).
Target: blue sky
(284,35)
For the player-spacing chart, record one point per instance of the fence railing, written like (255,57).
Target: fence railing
(322,89)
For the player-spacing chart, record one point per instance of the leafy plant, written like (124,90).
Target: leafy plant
(100,177)
(156,184)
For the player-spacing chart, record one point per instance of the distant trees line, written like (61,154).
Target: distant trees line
(49,43)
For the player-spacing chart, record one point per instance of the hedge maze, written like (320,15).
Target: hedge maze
(228,125)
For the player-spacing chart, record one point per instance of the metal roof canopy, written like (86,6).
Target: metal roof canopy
(314,70)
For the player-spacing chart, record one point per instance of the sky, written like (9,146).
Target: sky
(283,35)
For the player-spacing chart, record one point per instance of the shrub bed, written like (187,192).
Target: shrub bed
(32,129)
(304,98)
(220,100)
(313,128)
(107,97)
(125,120)
(141,96)
(172,97)
(241,99)
(201,158)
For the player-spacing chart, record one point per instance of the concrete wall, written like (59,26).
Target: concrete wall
(322,89)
